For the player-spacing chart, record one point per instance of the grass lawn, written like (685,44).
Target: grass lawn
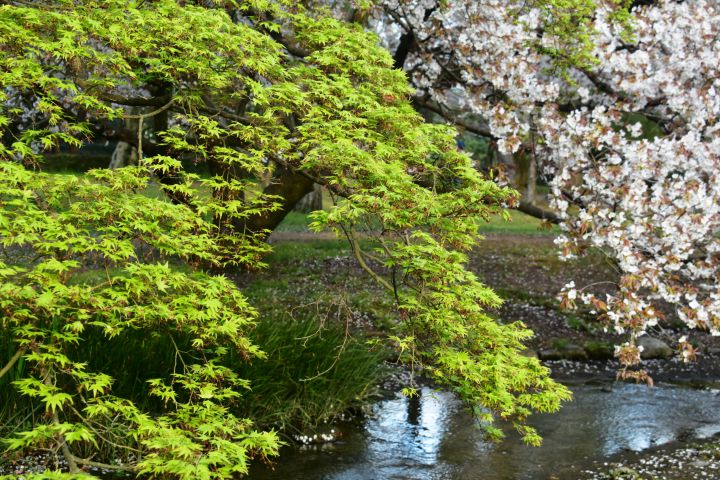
(519,224)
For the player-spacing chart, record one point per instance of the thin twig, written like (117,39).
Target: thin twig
(341,348)
(107,466)
(357,252)
(12,361)
(140,135)
(69,457)
(142,116)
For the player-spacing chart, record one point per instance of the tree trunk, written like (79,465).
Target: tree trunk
(521,166)
(530,189)
(123,155)
(310,202)
(289,185)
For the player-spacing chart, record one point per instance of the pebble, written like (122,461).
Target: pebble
(39,462)
(685,463)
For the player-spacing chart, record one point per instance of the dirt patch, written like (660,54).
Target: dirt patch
(527,272)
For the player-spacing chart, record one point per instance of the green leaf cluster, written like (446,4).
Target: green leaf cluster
(53,229)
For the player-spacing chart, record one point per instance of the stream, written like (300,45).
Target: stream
(432,437)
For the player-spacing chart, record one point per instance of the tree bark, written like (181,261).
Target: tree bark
(520,174)
(310,202)
(289,185)
(537,212)
(123,155)
(407,42)
(530,189)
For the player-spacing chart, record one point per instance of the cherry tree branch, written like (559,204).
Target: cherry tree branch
(451,117)
(537,212)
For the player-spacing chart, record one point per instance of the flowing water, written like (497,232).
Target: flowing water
(433,437)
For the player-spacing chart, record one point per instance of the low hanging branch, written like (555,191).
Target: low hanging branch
(358,254)
(537,212)
(341,117)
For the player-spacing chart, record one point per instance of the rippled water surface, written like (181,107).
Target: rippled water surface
(432,437)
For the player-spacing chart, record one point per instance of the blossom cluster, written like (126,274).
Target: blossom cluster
(630,145)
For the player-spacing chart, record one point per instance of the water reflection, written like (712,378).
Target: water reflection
(432,437)
(636,419)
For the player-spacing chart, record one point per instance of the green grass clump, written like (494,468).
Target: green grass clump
(313,370)
(14,409)
(313,373)
(560,343)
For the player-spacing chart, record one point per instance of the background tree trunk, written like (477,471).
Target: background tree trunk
(123,155)
(310,202)
(289,185)
(530,189)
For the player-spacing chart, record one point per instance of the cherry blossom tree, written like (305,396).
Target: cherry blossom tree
(617,105)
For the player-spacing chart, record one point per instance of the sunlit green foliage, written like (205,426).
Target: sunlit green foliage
(53,228)
(336,112)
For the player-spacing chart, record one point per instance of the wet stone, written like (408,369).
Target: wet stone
(574,352)
(567,352)
(653,348)
(598,351)
(550,354)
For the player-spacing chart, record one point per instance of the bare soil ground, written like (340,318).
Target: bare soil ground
(528,272)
